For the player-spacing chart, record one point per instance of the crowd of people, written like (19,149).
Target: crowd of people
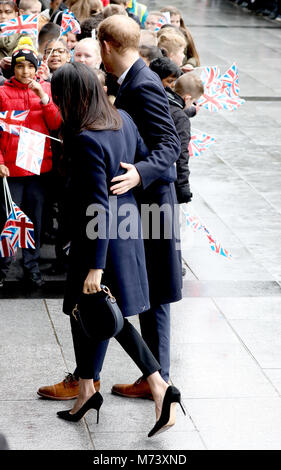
(117,98)
(267,8)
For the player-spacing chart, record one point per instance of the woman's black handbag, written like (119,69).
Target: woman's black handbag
(99,315)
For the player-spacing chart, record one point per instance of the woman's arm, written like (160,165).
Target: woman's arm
(94,193)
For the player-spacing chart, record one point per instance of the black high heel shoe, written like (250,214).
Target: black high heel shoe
(168,416)
(94,402)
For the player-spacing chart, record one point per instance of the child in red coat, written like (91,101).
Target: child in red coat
(21,93)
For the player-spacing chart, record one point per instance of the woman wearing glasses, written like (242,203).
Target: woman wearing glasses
(56,54)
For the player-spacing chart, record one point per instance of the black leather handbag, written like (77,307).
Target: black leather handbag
(99,315)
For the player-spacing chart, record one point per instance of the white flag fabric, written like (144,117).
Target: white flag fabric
(30,150)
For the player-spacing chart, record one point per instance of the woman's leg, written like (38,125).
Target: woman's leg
(85,350)
(135,346)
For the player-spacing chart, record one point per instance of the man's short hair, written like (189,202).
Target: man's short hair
(189,84)
(171,42)
(121,32)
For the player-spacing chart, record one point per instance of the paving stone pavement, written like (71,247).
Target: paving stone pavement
(226,332)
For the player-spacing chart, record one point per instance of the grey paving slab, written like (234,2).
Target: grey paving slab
(171,440)
(197,320)
(33,425)
(253,424)
(217,370)
(246,308)
(275,377)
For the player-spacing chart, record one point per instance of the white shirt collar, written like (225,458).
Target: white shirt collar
(123,76)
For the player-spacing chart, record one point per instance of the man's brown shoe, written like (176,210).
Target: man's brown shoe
(139,389)
(65,390)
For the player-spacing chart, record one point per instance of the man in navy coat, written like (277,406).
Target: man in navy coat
(142,95)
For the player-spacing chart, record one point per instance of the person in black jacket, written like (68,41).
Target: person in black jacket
(191,88)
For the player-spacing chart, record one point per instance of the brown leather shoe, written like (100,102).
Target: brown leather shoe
(65,390)
(139,389)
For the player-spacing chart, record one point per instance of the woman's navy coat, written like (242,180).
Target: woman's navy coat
(96,160)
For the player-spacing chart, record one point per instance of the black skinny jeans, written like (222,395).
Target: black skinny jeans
(128,338)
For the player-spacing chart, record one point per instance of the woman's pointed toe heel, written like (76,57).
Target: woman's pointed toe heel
(168,414)
(94,402)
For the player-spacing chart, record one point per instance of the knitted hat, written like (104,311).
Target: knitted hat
(25,50)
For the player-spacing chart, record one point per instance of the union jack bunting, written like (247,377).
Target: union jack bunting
(11,121)
(23,24)
(30,150)
(69,23)
(230,82)
(194,223)
(19,229)
(199,142)
(216,246)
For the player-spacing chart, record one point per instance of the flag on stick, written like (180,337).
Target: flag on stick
(221,91)
(69,23)
(23,24)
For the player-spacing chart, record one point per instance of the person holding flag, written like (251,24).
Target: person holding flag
(23,93)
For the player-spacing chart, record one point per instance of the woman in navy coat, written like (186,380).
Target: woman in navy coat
(97,138)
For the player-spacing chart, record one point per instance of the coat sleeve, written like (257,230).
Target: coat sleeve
(94,190)
(182,184)
(158,131)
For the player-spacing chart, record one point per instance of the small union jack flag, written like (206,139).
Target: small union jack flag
(69,23)
(19,229)
(30,150)
(11,121)
(199,142)
(221,91)
(230,82)
(23,24)
(194,223)
(211,77)
(160,23)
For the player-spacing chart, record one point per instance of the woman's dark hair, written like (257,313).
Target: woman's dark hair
(164,67)
(150,52)
(83,104)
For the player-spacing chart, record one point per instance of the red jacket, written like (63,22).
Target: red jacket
(15,96)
